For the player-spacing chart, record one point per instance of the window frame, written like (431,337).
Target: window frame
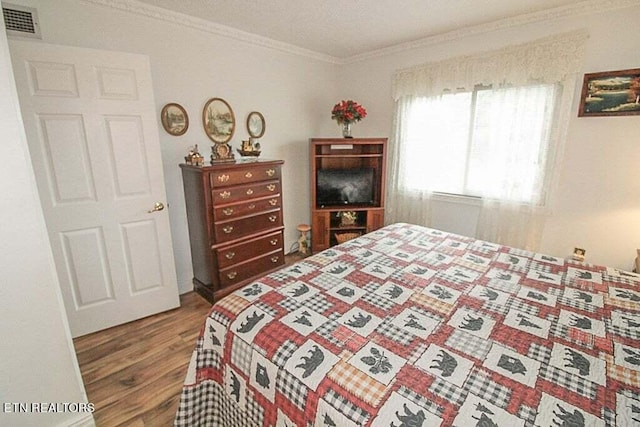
(471,197)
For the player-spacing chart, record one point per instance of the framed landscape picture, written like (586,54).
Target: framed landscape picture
(611,93)
(218,120)
(174,119)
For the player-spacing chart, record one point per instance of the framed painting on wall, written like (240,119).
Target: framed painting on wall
(611,93)
(218,120)
(255,124)
(174,119)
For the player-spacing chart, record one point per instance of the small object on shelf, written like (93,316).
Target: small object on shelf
(578,254)
(194,157)
(250,148)
(221,152)
(346,130)
(303,243)
(346,113)
(347,218)
(345,237)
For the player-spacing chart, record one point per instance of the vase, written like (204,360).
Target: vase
(346,130)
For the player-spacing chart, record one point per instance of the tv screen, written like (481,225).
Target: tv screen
(344,187)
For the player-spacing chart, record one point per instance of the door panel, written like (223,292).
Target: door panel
(92,131)
(143,260)
(52,79)
(87,267)
(117,83)
(127,151)
(64,146)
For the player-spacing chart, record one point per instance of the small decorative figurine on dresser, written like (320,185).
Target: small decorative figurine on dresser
(250,148)
(194,157)
(221,152)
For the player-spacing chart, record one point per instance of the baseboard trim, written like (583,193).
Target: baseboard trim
(81,420)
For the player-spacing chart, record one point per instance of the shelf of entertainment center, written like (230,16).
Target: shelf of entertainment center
(320,156)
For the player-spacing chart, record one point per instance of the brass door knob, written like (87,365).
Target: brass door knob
(157,207)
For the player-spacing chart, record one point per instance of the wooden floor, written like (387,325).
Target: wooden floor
(133,373)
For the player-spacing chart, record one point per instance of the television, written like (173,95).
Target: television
(340,187)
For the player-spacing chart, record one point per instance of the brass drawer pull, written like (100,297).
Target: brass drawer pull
(228,229)
(275,259)
(232,275)
(272,218)
(270,172)
(249,192)
(225,194)
(273,202)
(248,175)
(229,255)
(273,242)
(271,187)
(227,211)
(251,206)
(223,178)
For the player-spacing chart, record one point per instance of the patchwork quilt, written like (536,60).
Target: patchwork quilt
(411,326)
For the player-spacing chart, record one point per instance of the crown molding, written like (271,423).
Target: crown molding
(177,18)
(153,12)
(582,8)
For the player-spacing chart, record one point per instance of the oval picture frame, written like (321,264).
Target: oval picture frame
(175,120)
(218,120)
(255,124)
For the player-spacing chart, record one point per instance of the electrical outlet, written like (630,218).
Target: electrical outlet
(578,254)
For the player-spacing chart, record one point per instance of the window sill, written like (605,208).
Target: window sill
(457,198)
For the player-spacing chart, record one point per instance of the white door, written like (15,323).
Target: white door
(91,125)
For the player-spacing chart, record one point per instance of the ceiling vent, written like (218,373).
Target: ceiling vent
(21,21)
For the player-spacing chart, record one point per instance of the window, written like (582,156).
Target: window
(490,143)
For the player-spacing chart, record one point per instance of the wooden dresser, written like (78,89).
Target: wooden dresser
(234,212)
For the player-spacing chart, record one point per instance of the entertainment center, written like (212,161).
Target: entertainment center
(347,188)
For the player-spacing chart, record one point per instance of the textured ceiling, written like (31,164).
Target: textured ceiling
(343,29)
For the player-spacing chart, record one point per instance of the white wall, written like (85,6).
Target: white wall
(189,66)
(597,203)
(37,360)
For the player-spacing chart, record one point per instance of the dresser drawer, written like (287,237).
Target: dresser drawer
(246,175)
(244,192)
(241,227)
(246,208)
(234,254)
(243,271)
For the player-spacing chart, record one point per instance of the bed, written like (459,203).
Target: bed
(411,326)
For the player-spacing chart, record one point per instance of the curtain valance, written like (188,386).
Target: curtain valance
(547,60)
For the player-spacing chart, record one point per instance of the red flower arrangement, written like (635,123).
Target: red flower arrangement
(348,112)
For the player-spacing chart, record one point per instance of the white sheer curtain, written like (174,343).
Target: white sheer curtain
(525,79)
(406,204)
(514,190)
